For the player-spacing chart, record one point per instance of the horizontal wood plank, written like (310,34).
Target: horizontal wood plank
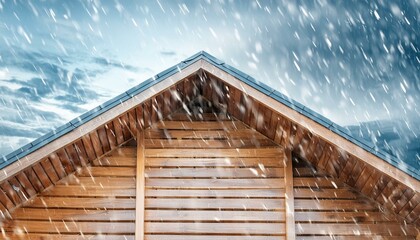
(217,193)
(350,217)
(91,203)
(215,216)
(82,191)
(213,162)
(386,229)
(70,227)
(316,182)
(215,228)
(214,172)
(107,171)
(324,193)
(215,183)
(211,237)
(239,152)
(203,203)
(73,214)
(180,116)
(202,125)
(105,182)
(349,205)
(116,161)
(66,236)
(208,144)
(203,134)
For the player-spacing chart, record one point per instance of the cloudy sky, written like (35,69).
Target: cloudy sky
(352,61)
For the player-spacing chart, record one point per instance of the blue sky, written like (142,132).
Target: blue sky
(352,61)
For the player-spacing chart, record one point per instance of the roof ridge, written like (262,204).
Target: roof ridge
(203,55)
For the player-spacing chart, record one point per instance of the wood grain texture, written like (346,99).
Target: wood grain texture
(389,186)
(95,200)
(325,207)
(197,186)
(289,195)
(140,187)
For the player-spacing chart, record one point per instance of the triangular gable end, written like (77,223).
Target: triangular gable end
(286,122)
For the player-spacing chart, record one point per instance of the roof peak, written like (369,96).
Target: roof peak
(245,78)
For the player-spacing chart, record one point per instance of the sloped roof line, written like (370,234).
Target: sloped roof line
(306,111)
(91,114)
(202,55)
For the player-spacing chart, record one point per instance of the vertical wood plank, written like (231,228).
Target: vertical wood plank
(247,103)
(125,127)
(317,151)
(59,169)
(231,101)
(97,146)
(34,180)
(90,151)
(207,88)
(154,110)
(140,182)
(65,161)
(333,166)
(118,130)
(19,189)
(81,152)
(10,192)
(132,119)
(408,194)
(289,196)
(273,126)
(26,184)
(348,168)
(3,210)
(238,107)
(166,109)
(379,186)
(139,117)
(147,113)
(49,170)
(188,89)
(355,174)
(255,113)
(5,200)
(73,156)
(110,132)
(414,201)
(103,138)
(42,175)
(174,100)
(181,94)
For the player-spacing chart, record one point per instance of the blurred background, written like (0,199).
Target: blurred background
(356,62)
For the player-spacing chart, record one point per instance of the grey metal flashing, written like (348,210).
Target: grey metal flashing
(368,146)
(317,117)
(89,115)
(265,89)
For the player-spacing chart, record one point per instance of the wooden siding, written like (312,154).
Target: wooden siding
(206,175)
(323,153)
(325,207)
(227,123)
(18,188)
(201,186)
(98,198)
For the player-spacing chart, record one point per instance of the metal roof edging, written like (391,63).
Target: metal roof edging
(45,139)
(367,146)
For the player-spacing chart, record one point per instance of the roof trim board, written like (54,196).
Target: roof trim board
(196,62)
(368,146)
(317,128)
(68,133)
